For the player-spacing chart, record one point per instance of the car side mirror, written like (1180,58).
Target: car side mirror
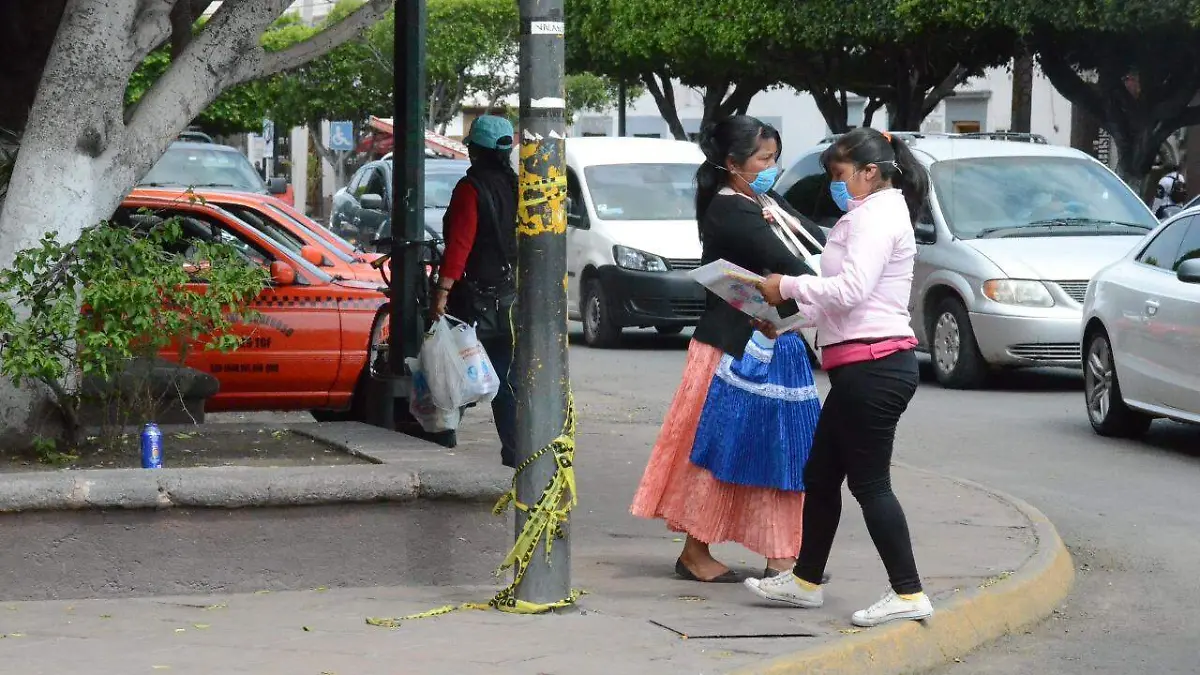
(371,202)
(925,232)
(277,185)
(578,221)
(282,274)
(1189,271)
(313,255)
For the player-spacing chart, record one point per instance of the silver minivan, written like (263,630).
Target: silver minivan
(1013,232)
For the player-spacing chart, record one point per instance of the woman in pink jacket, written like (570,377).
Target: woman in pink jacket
(860,303)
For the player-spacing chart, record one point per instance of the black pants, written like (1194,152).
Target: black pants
(504,406)
(853,442)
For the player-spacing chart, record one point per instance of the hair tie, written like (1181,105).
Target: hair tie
(887,136)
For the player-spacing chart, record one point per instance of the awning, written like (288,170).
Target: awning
(382,141)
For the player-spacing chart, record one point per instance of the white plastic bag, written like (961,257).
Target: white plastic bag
(482,382)
(443,368)
(456,366)
(422,407)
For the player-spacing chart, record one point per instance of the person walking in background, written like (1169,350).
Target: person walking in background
(863,322)
(732,194)
(1171,195)
(477,279)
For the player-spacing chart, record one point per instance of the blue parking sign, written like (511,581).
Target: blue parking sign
(341,136)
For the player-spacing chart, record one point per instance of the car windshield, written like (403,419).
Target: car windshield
(439,186)
(192,166)
(643,191)
(292,257)
(279,214)
(1031,196)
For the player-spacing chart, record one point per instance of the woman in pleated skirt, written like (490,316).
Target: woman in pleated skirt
(727,464)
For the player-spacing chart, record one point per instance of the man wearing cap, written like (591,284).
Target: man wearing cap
(477,280)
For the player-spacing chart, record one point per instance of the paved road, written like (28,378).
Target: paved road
(1129,511)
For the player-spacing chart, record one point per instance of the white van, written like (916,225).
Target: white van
(631,236)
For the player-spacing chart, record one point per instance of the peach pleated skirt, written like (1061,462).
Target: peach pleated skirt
(764,520)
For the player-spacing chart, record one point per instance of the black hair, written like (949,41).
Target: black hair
(490,158)
(864,145)
(735,138)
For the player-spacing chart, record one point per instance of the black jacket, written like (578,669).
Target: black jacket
(734,229)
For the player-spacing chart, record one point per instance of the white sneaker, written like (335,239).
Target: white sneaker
(892,607)
(786,588)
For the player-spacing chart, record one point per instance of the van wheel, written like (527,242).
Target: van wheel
(598,328)
(1102,392)
(957,363)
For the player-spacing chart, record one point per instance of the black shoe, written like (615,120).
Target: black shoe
(729,577)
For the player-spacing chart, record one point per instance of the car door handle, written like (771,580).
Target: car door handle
(1151,307)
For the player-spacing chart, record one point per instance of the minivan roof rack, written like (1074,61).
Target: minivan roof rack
(1006,136)
(906,135)
(975,135)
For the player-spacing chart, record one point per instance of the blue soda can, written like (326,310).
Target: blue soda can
(151,447)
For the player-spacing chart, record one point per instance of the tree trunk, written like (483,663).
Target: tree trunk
(82,150)
(1022,92)
(664,98)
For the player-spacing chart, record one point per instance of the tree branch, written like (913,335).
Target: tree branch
(151,25)
(664,98)
(314,134)
(1070,84)
(318,45)
(944,90)
(183,17)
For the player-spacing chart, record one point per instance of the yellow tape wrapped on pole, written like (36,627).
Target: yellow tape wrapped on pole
(544,521)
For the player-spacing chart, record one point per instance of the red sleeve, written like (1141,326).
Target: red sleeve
(462,219)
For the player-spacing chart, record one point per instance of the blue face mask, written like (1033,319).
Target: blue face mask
(765,180)
(841,194)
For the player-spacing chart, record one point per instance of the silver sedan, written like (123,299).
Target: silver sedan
(1141,333)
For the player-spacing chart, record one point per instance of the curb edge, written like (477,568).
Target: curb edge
(961,625)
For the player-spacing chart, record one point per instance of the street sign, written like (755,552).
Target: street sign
(341,136)
(268,139)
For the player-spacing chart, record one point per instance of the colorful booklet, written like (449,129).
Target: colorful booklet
(738,287)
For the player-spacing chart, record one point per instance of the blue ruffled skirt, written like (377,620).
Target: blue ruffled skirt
(758,420)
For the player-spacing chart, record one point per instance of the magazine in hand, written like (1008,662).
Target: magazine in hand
(738,287)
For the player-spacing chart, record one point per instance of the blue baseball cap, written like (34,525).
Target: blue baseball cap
(491,132)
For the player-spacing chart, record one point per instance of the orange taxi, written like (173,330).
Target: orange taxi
(310,339)
(278,221)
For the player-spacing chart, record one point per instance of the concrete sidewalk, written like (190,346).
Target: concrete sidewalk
(991,564)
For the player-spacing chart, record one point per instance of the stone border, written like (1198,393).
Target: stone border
(963,623)
(402,469)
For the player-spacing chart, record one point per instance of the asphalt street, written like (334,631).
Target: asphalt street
(1128,510)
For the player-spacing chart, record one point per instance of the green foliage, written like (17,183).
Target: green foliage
(46,450)
(596,93)
(236,110)
(1134,66)
(137,300)
(471,52)
(348,83)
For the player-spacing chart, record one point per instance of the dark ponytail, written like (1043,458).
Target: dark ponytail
(896,162)
(735,138)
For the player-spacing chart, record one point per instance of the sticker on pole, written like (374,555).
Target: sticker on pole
(546,28)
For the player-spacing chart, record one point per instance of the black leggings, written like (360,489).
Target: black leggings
(853,442)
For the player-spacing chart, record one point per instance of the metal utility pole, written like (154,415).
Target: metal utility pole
(540,367)
(408,182)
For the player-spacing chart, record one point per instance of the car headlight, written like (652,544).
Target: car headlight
(1024,292)
(633,259)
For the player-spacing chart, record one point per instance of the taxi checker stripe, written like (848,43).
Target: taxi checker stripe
(328,302)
